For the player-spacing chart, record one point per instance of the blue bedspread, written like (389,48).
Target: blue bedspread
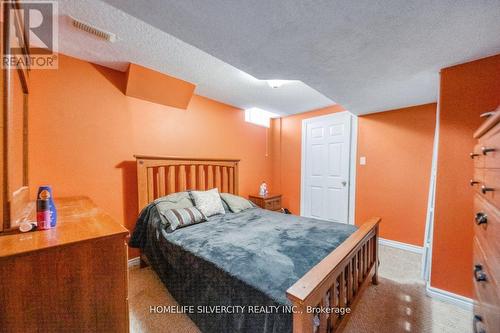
(247,258)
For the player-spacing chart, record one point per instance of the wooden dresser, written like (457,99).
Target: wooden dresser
(486,182)
(270,201)
(72,278)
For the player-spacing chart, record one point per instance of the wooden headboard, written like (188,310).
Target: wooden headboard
(159,176)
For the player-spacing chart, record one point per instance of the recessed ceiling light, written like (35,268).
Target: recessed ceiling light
(276,83)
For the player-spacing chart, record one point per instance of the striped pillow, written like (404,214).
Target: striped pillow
(182,217)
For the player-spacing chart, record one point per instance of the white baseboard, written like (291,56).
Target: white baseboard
(440,294)
(134,262)
(445,296)
(401,246)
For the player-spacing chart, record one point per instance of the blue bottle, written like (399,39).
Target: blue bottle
(52,206)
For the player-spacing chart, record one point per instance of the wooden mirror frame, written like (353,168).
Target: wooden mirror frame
(13,201)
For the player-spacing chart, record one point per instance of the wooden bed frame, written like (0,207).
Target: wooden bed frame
(335,282)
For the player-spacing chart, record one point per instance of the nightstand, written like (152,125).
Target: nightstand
(270,201)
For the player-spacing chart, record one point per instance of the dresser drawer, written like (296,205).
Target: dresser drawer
(477,156)
(487,230)
(481,257)
(477,179)
(483,319)
(491,140)
(490,188)
(486,291)
(478,321)
(273,204)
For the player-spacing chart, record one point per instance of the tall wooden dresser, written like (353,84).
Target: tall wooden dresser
(486,270)
(72,278)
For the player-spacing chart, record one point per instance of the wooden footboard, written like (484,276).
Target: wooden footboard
(324,294)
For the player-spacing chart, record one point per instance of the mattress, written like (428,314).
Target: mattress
(232,272)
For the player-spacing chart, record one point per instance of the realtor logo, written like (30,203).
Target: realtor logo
(31,34)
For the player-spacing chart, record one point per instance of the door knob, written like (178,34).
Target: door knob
(481,218)
(344,183)
(479,275)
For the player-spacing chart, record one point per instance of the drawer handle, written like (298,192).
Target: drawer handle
(473,182)
(486,189)
(472,155)
(487,150)
(481,218)
(479,275)
(487,114)
(477,319)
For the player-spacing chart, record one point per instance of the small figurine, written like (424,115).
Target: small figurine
(263,189)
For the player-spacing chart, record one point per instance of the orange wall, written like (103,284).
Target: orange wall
(153,86)
(467,90)
(394,183)
(84,132)
(286,138)
(396,143)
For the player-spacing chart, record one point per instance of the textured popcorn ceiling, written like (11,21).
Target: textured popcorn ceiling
(368,55)
(141,43)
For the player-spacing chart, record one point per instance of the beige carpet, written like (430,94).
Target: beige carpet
(397,304)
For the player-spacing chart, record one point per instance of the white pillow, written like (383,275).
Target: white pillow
(236,203)
(208,202)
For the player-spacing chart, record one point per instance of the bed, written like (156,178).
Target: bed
(253,271)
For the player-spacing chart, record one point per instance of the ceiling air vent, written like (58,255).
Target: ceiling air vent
(93,30)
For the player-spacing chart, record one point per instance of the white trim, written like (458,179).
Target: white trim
(445,296)
(134,262)
(400,245)
(302,165)
(352,169)
(352,161)
(431,202)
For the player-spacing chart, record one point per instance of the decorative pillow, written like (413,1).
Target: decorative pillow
(174,201)
(236,203)
(208,202)
(182,217)
(226,207)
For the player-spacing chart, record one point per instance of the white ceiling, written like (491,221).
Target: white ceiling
(368,55)
(146,45)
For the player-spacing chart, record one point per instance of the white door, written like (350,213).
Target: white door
(326,144)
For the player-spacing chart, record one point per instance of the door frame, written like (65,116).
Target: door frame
(352,161)
(426,269)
